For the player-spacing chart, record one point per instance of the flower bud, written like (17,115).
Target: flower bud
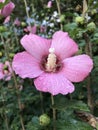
(62,18)
(91,27)
(78,7)
(44,120)
(11,55)
(7,9)
(49,4)
(3,29)
(42,14)
(94,11)
(1,54)
(79,20)
(23,24)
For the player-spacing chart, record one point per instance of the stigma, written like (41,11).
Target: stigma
(51,61)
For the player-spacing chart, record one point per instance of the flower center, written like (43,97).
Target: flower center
(51,63)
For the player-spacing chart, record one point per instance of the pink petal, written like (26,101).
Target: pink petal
(53,83)
(7,19)
(2,1)
(7,9)
(32,29)
(36,45)
(49,4)
(1,71)
(17,22)
(64,45)
(26,66)
(77,68)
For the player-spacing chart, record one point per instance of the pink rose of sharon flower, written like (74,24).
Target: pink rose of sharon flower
(51,64)
(2,1)
(7,9)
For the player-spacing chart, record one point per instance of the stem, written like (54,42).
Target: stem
(4,45)
(18,98)
(88,50)
(16,36)
(54,112)
(6,119)
(22,123)
(59,11)
(27,12)
(41,98)
(15,81)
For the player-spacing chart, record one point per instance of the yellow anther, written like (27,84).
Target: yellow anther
(51,61)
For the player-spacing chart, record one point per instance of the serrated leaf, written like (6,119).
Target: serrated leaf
(80,105)
(72,104)
(72,124)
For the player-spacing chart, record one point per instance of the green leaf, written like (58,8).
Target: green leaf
(96,35)
(72,124)
(3,4)
(72,104)
(96,61)
(70,26)
(33,124)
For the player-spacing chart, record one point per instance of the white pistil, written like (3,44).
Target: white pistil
(51,61)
